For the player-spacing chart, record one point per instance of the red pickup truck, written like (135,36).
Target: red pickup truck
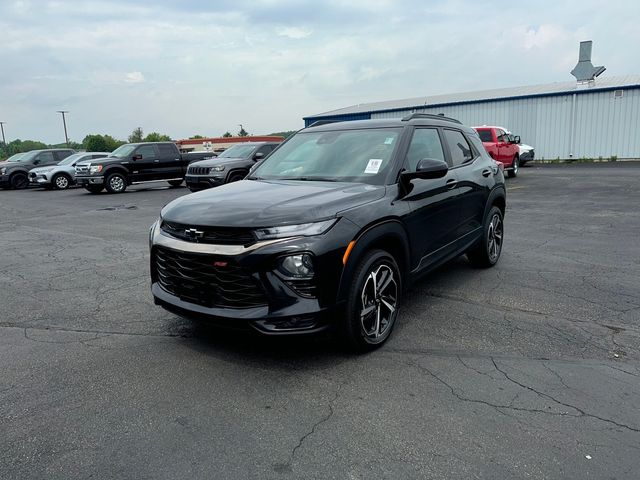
(502,147)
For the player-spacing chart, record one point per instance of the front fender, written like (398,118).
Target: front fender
(388,234)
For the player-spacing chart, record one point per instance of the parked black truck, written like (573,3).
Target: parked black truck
(133,163)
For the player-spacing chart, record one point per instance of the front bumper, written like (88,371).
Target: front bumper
(285,310)
(527,157)
(199,182)
(39,179)
(87,181)
(4,181)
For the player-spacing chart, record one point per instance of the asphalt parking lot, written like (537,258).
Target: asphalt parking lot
(527,370)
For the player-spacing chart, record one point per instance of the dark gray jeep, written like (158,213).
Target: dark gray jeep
(231,165)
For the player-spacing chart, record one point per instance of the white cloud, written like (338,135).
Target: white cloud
(134,77)
(296,33)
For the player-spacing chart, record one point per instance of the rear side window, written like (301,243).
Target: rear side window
(459,148)
(147,151)
(485,135)
(166,150)
(424,144)
(45,157)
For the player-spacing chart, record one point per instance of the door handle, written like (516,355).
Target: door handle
(156,161)
(486,172)
(451,183)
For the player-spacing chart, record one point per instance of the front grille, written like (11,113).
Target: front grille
(213,235)
(195,278)
(195,170)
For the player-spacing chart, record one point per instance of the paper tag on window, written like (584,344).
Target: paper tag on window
(373,166)
(388,141)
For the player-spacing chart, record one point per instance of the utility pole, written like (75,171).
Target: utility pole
(4,140)
(64,123)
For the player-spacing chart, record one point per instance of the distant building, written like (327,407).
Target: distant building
(565,120)
(220,144)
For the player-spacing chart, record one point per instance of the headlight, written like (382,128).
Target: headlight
(95,169)
(216,168)
(3,170)
(296,266)
(304,229)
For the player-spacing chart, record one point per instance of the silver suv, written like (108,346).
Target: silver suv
(62,175)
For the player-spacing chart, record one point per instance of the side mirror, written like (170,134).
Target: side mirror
(428,168)
(516,139)
(258,156)
(137,156)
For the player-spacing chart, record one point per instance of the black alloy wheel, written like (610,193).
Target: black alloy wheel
(487,252)
(373,303)
(19,181)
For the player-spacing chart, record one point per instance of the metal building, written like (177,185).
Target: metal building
(565,120)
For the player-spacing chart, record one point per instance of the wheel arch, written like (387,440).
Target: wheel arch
(497,198)
(236,171)
(388,235)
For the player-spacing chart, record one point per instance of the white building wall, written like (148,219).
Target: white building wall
(605,125)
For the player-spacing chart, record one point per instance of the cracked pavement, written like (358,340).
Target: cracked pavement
(527,370)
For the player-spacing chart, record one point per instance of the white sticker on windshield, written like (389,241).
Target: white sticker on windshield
(388,141)
(373,166)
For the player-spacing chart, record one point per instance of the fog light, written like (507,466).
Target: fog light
(297,266)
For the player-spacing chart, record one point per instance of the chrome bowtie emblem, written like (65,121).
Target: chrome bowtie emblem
(193,233)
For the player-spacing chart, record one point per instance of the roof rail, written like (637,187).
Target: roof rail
(317,123)
(440,116)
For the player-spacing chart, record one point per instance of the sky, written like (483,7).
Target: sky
(204,67)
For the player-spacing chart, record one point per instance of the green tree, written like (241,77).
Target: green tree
(243,132)
(136,135)
(196,137)
(227,135)
(157,137)
(100,143)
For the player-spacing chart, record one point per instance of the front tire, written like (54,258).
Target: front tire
(175,183)
(19,181)
(236,177)
(116,183)
(515,166)
(487,253)
(61,181)
(374,299)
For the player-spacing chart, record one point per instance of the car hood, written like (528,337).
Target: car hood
(210,162)
(46,169)
(265,203)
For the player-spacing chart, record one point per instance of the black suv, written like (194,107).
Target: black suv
(331,228)
(133,163)
(230,166)
(14,172)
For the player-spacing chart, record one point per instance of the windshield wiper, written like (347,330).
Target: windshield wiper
(311,179)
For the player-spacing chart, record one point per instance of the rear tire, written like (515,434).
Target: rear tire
(19,181)
(373,303)
(61,181)
(94,188)
(175,183)
(515,166)
(116,183)
(487,252)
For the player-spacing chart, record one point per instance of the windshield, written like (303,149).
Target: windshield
(237,151)
(15,158)
(23,157)
(123,151)
(72,158)
(347,156)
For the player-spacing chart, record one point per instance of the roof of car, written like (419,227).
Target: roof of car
(387,123)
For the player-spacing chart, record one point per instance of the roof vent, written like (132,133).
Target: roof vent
(584,71)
